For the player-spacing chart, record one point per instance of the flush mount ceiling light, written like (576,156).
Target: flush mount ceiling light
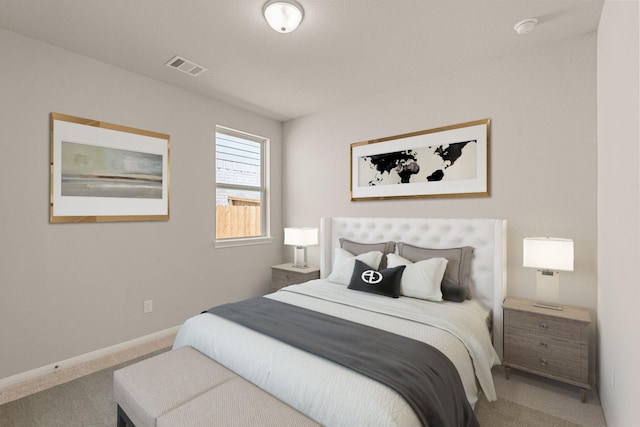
(283,16)
(525,26)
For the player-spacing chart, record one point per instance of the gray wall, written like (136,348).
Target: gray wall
(619,211)
(69,289)
(543,155)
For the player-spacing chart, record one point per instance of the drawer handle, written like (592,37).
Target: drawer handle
(544,344)
(543,362)
(288,277)
(544,326)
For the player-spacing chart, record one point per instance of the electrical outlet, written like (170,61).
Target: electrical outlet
(148,306)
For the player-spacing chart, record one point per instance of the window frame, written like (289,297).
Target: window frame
(265,229)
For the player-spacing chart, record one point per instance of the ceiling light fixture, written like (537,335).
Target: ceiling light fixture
(525,26)
(283,16)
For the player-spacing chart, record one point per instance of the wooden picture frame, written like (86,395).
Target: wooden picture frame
(102,172)
(450,161)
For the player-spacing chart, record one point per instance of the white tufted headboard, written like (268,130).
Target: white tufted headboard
(486,236)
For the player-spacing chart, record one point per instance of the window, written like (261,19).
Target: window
(241,192)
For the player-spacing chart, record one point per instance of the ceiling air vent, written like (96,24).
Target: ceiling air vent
(186,66)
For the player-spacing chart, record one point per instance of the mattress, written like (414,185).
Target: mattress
(331,394)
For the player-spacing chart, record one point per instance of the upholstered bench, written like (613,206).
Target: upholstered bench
(236,403)
(184,387)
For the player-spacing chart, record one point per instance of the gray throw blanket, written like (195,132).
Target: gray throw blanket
(420,373)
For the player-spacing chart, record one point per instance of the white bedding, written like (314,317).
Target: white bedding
(331,394)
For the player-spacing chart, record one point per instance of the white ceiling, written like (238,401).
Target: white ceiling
(343,49)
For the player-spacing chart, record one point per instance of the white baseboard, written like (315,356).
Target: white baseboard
(87,357)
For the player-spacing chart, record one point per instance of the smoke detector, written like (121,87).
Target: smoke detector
(182,64)
(525,26)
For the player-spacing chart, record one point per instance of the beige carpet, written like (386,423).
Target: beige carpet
(504,413)
(88,401)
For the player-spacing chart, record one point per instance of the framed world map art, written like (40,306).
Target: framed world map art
(450,161)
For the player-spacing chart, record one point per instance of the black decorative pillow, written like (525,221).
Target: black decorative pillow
(451,292)
(384,282)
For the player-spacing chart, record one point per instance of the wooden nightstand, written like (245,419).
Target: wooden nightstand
(550,343)
(286,274)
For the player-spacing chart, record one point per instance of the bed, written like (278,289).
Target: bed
(468,333)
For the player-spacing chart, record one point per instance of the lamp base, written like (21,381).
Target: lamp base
(547,287)
(300,257)
(547,306)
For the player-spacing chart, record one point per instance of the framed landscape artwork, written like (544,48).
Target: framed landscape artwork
(103,172)
(450,161)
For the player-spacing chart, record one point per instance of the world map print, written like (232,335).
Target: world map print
(445,162)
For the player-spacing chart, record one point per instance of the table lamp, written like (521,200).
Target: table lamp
(549,255)
(300,238)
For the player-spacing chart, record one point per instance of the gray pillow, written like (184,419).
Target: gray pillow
(458,272)
(356,248)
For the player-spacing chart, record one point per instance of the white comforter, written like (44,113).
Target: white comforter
(331,394)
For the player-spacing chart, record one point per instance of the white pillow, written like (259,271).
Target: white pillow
(344,262)
(421,279)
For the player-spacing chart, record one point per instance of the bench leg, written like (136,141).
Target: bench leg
(123,419)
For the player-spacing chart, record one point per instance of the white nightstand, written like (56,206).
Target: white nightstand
(286,274)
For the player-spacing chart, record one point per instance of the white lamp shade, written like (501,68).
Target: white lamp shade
(301,236)
(548,253)
(283,16)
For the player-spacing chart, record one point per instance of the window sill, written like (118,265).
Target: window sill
(246,241)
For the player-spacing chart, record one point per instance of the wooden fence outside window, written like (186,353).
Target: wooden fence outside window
(237,221)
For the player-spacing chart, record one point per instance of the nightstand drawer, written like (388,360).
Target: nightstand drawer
(288,277)
(534,361)
(545,325)
(546,345)
(278,283)
(286,274)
